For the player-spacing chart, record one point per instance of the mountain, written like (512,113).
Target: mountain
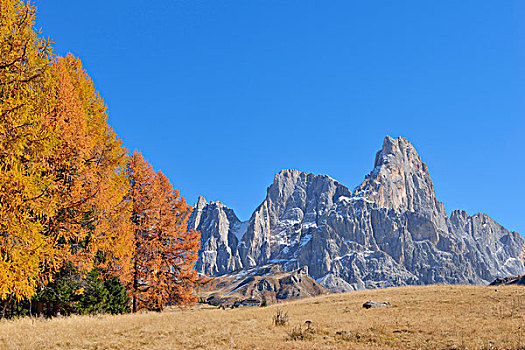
(390,231)
(268,282)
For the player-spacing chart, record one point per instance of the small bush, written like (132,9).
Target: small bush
(298,333)
(344,335)
(280,318)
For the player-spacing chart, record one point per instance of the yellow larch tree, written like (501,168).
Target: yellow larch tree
(25,143)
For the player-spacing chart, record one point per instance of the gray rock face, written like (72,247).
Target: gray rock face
(390,231)
(218,226)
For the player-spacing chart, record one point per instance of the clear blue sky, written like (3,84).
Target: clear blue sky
(221,95)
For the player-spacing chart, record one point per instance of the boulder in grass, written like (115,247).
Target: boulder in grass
(375,304)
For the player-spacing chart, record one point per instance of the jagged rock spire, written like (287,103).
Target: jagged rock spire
(217,224)
(400,180)
(201,203)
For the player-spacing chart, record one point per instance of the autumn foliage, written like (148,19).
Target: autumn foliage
(90,184)
(25,144)
(165,251)
(71,199)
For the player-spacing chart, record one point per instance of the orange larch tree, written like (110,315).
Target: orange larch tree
(173,250)
(90,186)
(165,251)
(141,177)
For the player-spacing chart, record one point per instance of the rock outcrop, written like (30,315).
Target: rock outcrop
(219,228)
(374,304)
(390,231)
(268,282)
(511,280)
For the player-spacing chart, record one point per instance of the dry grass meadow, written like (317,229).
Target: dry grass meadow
(433,317)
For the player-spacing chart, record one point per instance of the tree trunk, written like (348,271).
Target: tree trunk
(135,285)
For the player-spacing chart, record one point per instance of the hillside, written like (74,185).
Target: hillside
(269,283)
(429,317)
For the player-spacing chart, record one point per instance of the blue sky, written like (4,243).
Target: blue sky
(222,95)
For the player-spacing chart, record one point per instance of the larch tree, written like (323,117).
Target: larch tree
(165,251)
(141,177)
(70,197)
(92,220)
(25,205)
(172,249)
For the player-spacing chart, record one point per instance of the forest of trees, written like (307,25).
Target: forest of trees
(85,227)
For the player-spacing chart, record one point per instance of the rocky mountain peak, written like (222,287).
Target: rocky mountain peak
(286,173)
(390,231)
(291,184)
(400,148)
(219,227)
(295,202)
(201,203)
(399,180)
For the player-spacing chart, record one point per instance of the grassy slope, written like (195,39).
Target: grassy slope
(434,317)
